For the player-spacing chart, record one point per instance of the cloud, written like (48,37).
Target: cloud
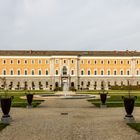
(70,25)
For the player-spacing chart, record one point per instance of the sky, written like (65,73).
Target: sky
(70,25)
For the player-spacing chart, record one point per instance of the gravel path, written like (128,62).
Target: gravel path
(67,119)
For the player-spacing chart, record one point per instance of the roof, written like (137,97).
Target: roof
(67,53)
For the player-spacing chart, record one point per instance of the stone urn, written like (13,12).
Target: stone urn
(29,97)
(103,97)
(5,106)
(129,103)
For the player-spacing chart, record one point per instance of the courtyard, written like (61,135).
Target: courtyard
(71,119)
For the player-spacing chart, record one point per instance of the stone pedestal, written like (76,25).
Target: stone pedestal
(29,106)
(103,106)
(6,119)
(129,119)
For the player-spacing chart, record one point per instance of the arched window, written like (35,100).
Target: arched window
(102,72)
(137,72)
(56,84)
(82,72)
(33,72)
(64,70)
(121,72)
(11,72)
(56,72)
(39,72)
(25,72)
(108,72)
(47,72)
(128,72)
(115,72)
(18,72)
(95,72)
(72,72)
(4,72)
(88,72)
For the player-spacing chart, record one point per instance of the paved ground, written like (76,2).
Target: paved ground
(83,122)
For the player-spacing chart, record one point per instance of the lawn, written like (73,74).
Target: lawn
(17,102)
(115,99)
(135,126)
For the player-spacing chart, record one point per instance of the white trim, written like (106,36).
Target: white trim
(109,75)
(25,75)
(73,56)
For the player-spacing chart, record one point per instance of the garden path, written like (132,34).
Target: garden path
(69,119)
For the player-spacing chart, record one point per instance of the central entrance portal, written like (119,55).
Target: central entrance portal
(65,84)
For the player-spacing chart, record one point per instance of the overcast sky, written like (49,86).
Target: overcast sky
(70,24)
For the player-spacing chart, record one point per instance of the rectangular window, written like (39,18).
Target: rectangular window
(56,61)
(47,61)
(39,61)
(32,61)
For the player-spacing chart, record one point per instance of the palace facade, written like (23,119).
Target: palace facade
(79,69)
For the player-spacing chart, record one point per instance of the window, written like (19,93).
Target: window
(121,62)
(47,84)
(18,72)
(4,61)
(108,62)
(64,61)
(56,61)
(25,61)
(4,72)
(56,72)
(88,72)
(32,61)
(88,61)
(82,61)
(108,72)
(39,72)
(137,61)
(47,72)
(128,72)
(64,70)
(33,72)
(95,72)
(102,62)
(115,62)
(128,62)
(115,72)
(72,61)
(18,61)
(11,72)
(137,72)
(39,61)
(72,72)
(11,62)
(102,72)
(82,83)
(121,72)
(47,61)
(82,72)
(95,62)
(25,72)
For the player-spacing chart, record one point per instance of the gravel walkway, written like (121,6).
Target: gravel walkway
(67,119)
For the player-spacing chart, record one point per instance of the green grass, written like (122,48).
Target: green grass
(135,126)
(2,126)
(17,102)
(115,99)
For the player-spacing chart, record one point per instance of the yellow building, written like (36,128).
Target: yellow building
(79,69)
